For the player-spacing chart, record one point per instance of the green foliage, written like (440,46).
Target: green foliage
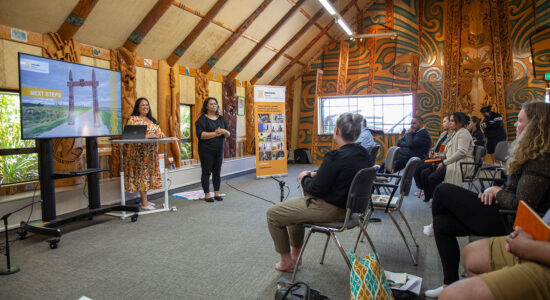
(15,168)
(106,118)
(186,150)
(40,118)
(185,117)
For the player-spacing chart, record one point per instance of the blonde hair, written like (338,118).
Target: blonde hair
(534,141)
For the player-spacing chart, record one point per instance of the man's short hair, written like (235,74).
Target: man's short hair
(419,118)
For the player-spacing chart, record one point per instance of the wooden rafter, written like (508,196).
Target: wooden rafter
(311,43)
(207,66)
(304,12)
(77,17)
(146,24)
(311,21)
(240,66)
(190,38)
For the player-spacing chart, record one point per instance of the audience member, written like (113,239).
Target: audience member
(460,212)
(326,192)
(415,143)
(474,127)
(365,139)
(494,128)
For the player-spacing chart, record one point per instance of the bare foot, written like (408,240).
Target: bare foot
(284,267)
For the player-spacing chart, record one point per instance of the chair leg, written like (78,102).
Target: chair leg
(342,251)
(325,250)
(364,230)
(365,221)
(409,227)
(403,237)
(308,234)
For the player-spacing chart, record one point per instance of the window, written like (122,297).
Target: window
(186,137)
(389,113)
(18,158)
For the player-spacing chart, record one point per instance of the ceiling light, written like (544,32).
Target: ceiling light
(344,26)
(328,7)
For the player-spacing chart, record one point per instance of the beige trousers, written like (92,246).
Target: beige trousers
(283,217)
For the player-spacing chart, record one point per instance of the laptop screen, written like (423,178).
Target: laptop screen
(134,132)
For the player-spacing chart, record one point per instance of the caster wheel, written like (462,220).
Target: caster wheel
(22,234)
(53,245)
(134,218)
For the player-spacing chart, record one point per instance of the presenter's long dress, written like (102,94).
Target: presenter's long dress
(141,168)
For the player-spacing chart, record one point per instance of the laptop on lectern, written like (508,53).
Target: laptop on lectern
(134,132)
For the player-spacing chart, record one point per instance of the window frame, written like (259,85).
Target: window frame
(320,117)
(190,139)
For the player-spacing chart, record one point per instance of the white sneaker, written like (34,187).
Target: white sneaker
(148,207)
(434,293)
(151,203)
(429,230)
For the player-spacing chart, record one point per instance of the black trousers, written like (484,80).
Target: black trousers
(211,163)
(417,173)
(459,212)
(430,179)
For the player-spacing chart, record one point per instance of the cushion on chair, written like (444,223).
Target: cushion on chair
(382,201)
(352,222)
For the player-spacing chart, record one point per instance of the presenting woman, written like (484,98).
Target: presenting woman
(459,212)
(142,172)
(212,131)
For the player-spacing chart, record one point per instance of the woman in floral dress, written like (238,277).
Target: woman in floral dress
(141,168)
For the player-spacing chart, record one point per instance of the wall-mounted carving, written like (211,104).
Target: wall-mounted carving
(67,153)
(229,91)
(201,93)
(343,69)
(249,111)
(289,104)
(174,119)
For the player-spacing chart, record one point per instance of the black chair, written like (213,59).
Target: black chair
(470,170)
(374,152)
(357,205)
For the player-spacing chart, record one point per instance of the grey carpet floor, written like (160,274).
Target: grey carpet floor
(219,250)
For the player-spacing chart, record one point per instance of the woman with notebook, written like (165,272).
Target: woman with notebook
(141,169)
(212,130)
(460,212)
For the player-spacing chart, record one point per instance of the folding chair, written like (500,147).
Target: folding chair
(357,204)
(390,204)
(470,170)
(389,167)
(489,173)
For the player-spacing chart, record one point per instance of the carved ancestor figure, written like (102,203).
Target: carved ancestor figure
(249,111)
(67,153)
(174,120)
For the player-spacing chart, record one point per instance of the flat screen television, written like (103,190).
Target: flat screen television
(60,99)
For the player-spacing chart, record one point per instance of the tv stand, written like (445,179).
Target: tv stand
(50,221)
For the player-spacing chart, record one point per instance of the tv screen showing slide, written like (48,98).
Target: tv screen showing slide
(61,99)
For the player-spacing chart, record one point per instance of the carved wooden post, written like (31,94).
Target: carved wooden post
(201,93)
(250,131)
(343,68)
(168,107)
(67,153)
(289,104)
(229,90)
(315,131)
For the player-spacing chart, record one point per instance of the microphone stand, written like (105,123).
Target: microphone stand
(281,187)
(9,268)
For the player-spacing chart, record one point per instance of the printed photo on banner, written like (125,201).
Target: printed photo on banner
(264,127)
(265,137)
(278,155)
(277,127)
(264,118)
(265,146)
(265,155)
(277,146)
(277,118)
(277,136)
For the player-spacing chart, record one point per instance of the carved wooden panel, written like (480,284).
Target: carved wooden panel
(289,104)
(250,130)
(342,69)
(201,93)
(229,90)
(67,153)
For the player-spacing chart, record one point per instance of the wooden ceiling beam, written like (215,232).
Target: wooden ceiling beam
(311,43)
(304,28)
(304,12)
(146,24)
(191,37)
(240,66)
(77,17)
(211,62)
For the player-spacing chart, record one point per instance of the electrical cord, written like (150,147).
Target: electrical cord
(3,244)
(245,192)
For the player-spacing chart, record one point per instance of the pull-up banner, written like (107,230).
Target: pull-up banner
(269,112)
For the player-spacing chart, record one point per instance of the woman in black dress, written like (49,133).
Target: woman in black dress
(212,130)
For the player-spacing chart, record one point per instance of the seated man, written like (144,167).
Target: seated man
(415,143)
(365,139)
(326,192)
(511,267)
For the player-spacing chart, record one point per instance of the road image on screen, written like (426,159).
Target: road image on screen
(61,99)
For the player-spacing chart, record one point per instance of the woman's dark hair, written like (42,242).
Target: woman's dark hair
(350,126)
(477,121)
(204,109)
(135,112)
(485,109)
(460,117)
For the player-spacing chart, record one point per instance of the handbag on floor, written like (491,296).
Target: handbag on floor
(367,280)
(287,290)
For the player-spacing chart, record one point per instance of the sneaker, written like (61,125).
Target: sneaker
(434,293)
(148,207)
(420,193)
(151,203)
(429,230)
